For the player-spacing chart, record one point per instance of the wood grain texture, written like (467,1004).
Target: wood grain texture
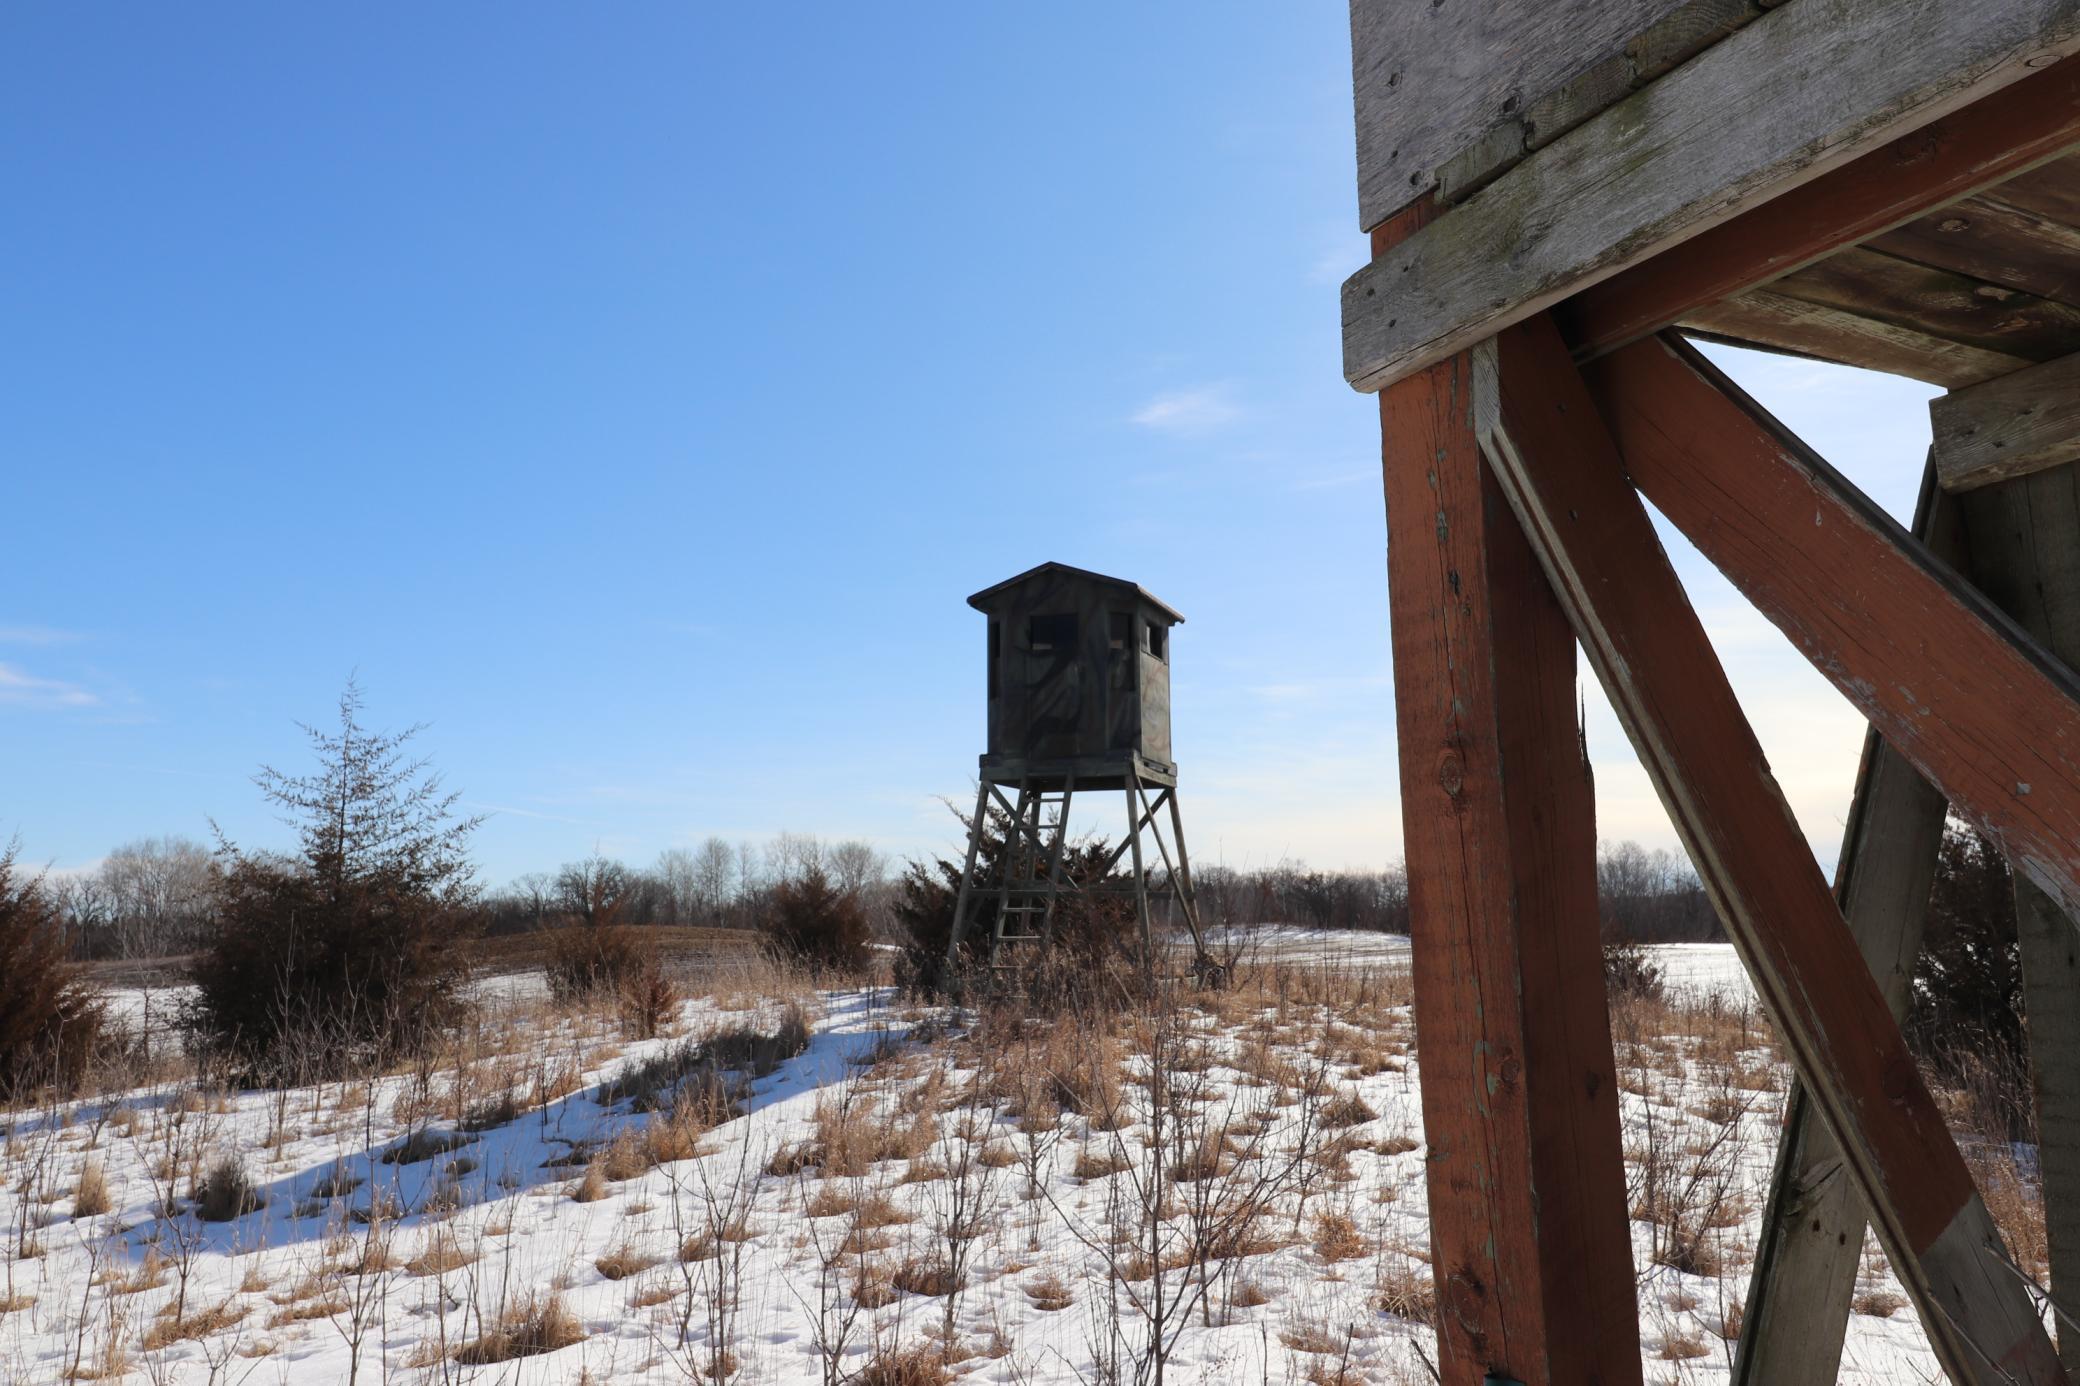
(1800,91)
(1947,679)
(1990,239)
(1885,289)
(1430,81)
(1564,478)
(1529,1234)
(2025,537)
(1810,1248)
(2020,423)
(2011,129)
(1769,320)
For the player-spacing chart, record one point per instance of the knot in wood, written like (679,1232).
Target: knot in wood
(1451,773)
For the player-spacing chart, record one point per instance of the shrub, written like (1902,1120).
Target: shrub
(347,953)
(1966,1018)
(1630,970)
(226,1192)
(811,921)
(596,952)
(1094,940)
(49,1018)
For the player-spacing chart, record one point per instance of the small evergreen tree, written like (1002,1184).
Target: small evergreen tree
(1094,939)
(1966,1016)
(348,951)
(49,1018)
(811,921)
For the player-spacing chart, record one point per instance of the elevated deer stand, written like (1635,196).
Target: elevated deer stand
(1558,195)
(1079,703)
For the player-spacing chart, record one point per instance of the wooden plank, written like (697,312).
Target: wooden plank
(1948,680)
(1565,479)
(1764,318)
(2025,537)
(1988,141)
(1891,290)
(2021,423)
(1811,1244)
(1430,81)
(1990,239)
(2051,191)
(1530,1242)
(1800,91)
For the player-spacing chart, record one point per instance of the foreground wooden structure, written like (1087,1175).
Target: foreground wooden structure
(1561,196)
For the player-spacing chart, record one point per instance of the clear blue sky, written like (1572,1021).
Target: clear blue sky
(635,392)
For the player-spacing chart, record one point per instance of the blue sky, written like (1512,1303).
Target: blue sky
(634,393)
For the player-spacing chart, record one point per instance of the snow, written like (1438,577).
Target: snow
(1038,1219)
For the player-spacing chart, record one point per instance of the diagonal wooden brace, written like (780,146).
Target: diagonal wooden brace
(1810,1249)
(1563,477)
(1944,675)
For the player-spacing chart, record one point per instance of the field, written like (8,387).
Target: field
(803,1185)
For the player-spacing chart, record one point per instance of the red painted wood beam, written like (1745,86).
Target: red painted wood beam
(2022,124)
(1567,484)
(1947,678)
(1530,1239)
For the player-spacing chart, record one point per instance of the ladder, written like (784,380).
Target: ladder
(1031,882)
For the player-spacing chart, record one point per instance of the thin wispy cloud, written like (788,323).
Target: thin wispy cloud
(37,635)
(1199,410)
(523,813)
(19,688)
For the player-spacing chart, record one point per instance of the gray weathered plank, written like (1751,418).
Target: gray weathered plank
(1431,81)
(1801,90)
(1811,1243)
(2011,426)
(2025,537)
(1765,318)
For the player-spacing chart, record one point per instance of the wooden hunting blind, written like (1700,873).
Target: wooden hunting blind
(1079,700)
(1561,194)
(1079,678)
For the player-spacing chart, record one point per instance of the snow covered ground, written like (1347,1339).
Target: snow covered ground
(1007,1165)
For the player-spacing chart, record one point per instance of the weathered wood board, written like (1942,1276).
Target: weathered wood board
(1800,91)
(1772,321)
(1996,140)
(1568,485)
(2020,423)
(1530,1242)
(1430,81)
(1810,1249)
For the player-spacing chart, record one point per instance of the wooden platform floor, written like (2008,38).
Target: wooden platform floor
(1981,288)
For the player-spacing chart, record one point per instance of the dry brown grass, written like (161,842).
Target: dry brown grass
(1049,1292)
(1679,1346)
(2016,1202)
(592,1186)
(623,1261)
(1407,1290)
(90,1199)
(911,1366)
(1313,1336)
(167,1330)
(873,1287)
(441,1254)
(226,1192)
(1347,1109)
(1336,1237)
(1878,1304)
(925,1275)
(1098,1164)
(526,1329)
